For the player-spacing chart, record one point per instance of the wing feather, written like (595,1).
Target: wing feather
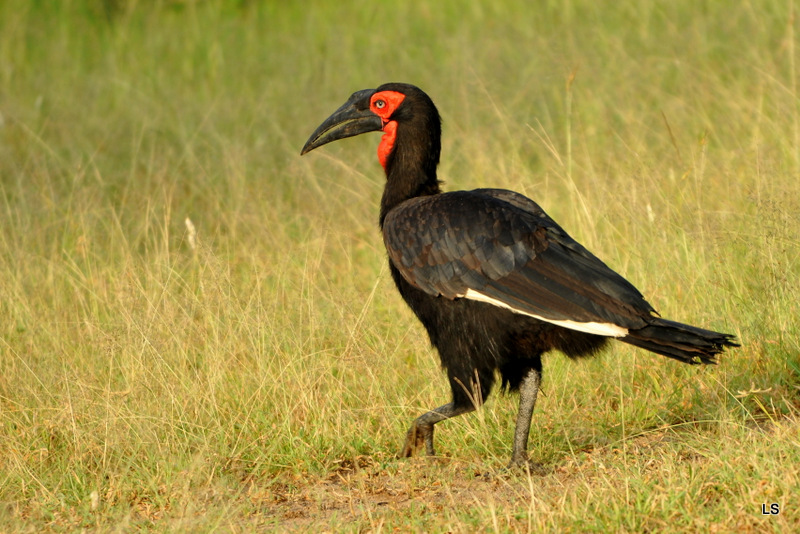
(501,247)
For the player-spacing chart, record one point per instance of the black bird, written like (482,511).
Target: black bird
(494,280)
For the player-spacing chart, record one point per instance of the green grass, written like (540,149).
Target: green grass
(262,375)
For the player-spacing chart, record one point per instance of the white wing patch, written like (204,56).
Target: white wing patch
(600,329)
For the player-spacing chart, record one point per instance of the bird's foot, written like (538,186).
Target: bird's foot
(526,465)
(417,436)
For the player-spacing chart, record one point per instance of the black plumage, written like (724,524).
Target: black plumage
(493,279)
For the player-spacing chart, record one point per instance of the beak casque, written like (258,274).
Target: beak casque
(353,118)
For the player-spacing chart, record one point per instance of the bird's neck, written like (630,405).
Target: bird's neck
(410,170)
(406,187)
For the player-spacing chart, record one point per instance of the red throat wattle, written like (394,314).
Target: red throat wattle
(387,142)
(384,104)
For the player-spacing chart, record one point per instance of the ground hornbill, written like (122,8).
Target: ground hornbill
(494,280)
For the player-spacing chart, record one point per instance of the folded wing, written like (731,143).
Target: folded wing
(501,248)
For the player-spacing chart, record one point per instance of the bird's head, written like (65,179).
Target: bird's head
(402,111)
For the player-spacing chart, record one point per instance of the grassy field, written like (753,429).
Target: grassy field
(198,331)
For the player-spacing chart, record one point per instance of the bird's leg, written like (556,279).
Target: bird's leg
(528,390)
(421,430)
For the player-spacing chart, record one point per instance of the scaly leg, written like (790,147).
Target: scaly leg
(421,430)
(528,390)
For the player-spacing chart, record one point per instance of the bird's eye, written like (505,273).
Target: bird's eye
(380,104)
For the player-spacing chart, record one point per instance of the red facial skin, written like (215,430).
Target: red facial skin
(383,105)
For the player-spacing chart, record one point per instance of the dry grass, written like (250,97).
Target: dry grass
(259,371)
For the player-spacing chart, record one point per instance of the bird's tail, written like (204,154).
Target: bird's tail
(682,342)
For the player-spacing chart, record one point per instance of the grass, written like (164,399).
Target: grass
(260,373)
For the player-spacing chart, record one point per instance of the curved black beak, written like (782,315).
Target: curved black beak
(353,118)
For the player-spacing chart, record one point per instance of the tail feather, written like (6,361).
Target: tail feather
(681,342)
